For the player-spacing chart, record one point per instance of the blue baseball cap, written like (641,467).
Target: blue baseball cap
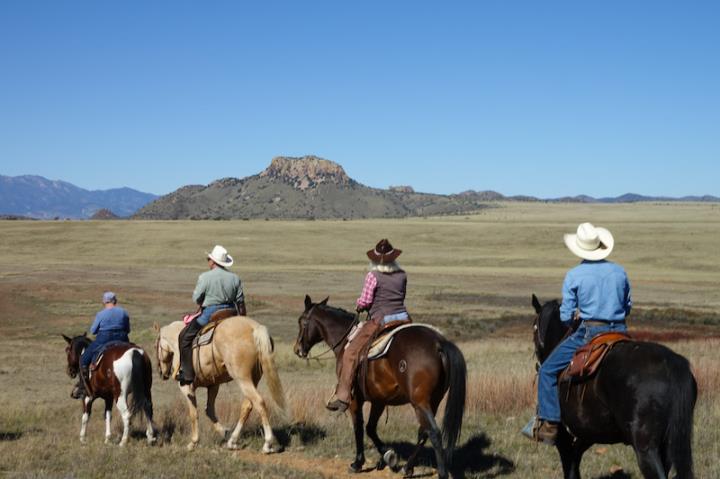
(109,297)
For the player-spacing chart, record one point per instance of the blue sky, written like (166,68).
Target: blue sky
(541,98)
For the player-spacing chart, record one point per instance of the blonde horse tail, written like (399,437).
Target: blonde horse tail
(264,345)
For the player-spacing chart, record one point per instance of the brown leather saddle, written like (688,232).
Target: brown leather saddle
(588,358)
(206,333)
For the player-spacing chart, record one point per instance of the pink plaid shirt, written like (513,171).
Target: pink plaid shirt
(368,292)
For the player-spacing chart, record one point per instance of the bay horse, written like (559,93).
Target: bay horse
(419,368)
(124,369)
(642,395)
(241,349)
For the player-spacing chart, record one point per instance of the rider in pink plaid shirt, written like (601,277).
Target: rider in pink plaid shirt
(383,296)
(368,292)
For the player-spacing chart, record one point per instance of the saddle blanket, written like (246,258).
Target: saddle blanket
(205,336)
(382,344)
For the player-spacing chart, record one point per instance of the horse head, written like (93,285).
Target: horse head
(73,350)
(309,331)
(164,353)
(548,330)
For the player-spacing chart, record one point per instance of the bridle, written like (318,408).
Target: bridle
(303,326)
(159,348)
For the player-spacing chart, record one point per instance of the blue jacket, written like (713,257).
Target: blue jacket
(599,289)
(111,319)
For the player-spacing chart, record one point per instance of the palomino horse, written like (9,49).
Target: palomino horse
(642,395)
(242,350)
(420,366)
(124,369)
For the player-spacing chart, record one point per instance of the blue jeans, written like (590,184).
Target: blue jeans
(208,311)
(548,399)
(101,339)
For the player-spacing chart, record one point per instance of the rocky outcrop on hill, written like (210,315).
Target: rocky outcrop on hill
(306,187)
(312,187)
(306,172)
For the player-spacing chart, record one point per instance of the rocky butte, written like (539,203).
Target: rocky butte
(306,172)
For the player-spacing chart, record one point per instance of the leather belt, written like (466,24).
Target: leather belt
(595,322)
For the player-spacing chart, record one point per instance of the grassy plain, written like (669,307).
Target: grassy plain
(470,275)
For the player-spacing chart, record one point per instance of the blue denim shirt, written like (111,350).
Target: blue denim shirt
(111,319)
(599,289)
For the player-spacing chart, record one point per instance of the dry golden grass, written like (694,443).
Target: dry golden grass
(472,276)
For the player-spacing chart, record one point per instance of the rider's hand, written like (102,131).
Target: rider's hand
(360,309)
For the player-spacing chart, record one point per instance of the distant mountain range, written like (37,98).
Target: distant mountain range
(37,197)
(307,187)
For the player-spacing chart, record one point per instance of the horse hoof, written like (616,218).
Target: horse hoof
(391,459)
(233,446)
(191,446)
(380,465)
(271,449)
(408,471)
(355,468)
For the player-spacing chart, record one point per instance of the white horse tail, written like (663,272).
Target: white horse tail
(264,346)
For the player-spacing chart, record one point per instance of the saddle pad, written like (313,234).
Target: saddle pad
(588,358)
(205,336)
(381,345)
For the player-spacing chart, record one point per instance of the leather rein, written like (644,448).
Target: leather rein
(332,348)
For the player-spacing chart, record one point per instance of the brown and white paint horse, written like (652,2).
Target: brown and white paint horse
(242,350)
(123,370)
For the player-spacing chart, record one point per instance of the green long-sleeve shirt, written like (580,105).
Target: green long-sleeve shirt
(218,286)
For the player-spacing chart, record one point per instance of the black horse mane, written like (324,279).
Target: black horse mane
(335,309)
(79,343)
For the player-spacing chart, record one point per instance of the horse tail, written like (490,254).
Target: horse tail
(141,383)
(456,374)
(680,424)
(264,346)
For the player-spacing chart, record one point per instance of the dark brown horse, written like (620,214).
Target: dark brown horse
(419,368)
(124,369)
(643,395)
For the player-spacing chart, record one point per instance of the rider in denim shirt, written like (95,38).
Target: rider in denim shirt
(112,323)
(596,293)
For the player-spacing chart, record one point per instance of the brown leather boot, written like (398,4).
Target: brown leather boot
(546,432)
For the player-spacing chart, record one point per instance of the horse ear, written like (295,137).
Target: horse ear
(69,340)
(156,327)
(536,304)
(84,334)
(308,302)
(324,301)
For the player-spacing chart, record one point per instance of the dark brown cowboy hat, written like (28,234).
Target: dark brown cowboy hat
(383,253)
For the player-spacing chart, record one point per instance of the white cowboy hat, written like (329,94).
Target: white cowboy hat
(220,256)
(591,242)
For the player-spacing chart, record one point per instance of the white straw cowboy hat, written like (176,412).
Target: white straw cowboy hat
(590,242)
(220,256)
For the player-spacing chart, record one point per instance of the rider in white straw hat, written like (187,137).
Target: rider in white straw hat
(215,289)
(596,294)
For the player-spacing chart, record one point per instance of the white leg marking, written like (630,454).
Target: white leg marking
(84,420)
(108,417)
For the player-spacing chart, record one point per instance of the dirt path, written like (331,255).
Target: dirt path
(318,466)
